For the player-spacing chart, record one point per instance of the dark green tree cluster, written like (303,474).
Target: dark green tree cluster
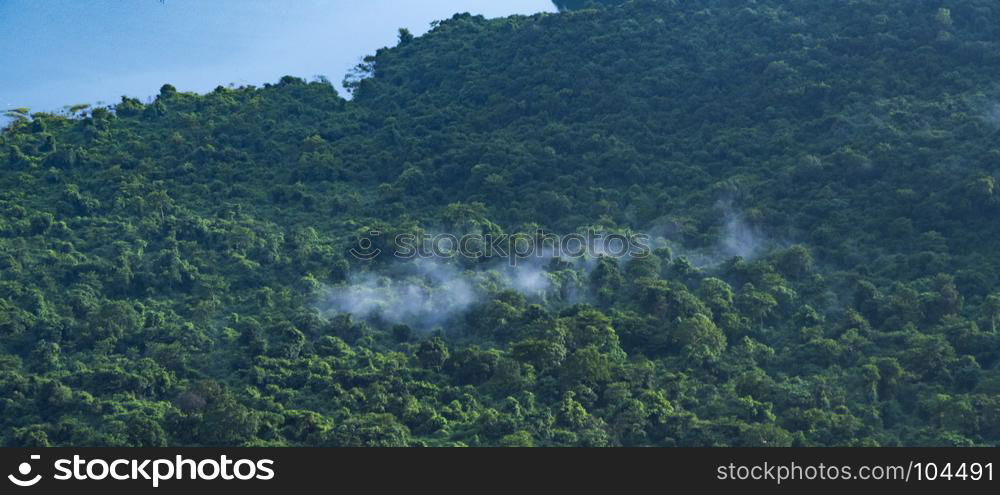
(579,4)
(161,262)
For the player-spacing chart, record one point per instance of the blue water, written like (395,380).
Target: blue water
(57,53)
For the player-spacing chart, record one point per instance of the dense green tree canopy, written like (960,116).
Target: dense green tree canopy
(819,179)
(579,4)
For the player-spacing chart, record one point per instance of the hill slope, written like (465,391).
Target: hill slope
(820,180)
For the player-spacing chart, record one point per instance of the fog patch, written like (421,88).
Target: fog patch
(739,238)
(426,294)
(421,294)
(529,280)
(991,114)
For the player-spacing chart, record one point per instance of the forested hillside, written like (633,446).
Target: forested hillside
(580,4)
(818,180)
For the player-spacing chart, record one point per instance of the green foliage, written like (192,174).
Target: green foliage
(579,4)
(162,264)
